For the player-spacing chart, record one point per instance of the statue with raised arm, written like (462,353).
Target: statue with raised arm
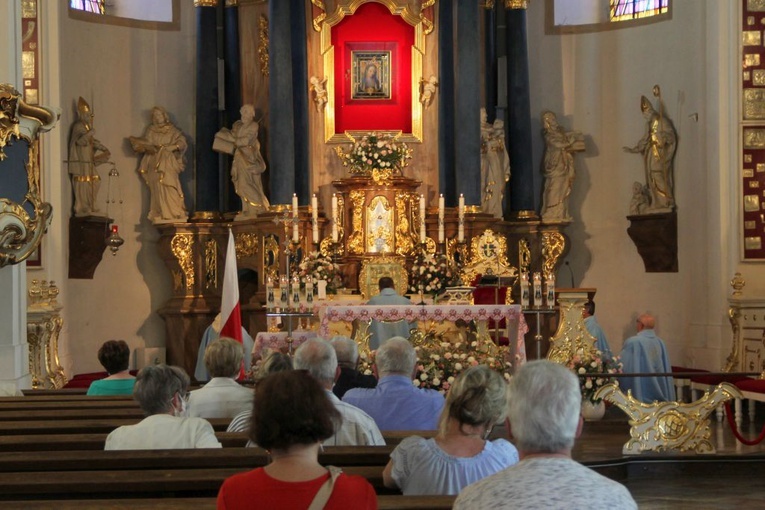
(248,165)
(658,147)
(560,146)
(495,165)
(85,154)
(163,146)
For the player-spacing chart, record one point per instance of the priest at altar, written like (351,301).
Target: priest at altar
(381,331)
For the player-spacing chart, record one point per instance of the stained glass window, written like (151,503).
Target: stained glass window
(94,6)
(623,10)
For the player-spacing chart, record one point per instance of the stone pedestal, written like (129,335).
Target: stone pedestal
(655,236)
(44,325)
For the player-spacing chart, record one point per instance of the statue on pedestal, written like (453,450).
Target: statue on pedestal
(495,165)
(248,166)
(85,154)
(560,146)
(657,147)
(162,146)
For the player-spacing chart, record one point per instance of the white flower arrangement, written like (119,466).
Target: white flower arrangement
(595,364)
(376,152)
(317,266)
(433,273)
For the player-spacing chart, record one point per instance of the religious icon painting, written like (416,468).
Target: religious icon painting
(371,75)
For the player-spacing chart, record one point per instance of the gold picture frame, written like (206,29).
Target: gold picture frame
(371,71)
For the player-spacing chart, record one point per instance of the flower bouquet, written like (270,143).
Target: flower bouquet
(596,364)
(320,267)
(439,363)
(431,274)
(376,152)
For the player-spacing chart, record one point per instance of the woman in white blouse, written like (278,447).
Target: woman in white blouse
(460,454)
(222,397)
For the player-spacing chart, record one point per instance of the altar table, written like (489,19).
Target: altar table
(516,324)
(278,341)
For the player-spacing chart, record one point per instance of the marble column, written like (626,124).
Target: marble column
(490,61)
(300,101)
(14,351)
(518,123)
(446,132)
(207,194)
(232,79)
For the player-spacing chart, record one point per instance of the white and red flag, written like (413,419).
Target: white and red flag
(230,310)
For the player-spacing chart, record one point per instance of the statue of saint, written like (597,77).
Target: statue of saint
(495,165)
(658,147)
(248,166)
(162,146)
(85,154)
(558,167)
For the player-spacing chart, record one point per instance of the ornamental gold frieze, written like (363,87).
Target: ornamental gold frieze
(205,3)
(211,264)
(516,4)
(662,426)
(410,13)
(553,244)
(182,246)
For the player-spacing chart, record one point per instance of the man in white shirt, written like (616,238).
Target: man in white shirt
(318,357)
(222,397)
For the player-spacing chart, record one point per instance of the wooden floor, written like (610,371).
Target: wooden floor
(732,478)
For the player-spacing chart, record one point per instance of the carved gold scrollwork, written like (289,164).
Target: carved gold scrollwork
(426,23)
(572,336)
(356,238)
(516,4)
(663,426)
(34,339)
(318,20)
(488,256)
(211,264)
(246,245)
(375,268)
(379,221)
(271,258)
(263,44)
(55,371)
(524,256)
(404,242)
(553,244)
(182,246)
(734,313)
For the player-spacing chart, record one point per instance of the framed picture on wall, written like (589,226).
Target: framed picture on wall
(371,75)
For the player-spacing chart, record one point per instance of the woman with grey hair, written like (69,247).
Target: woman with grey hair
(161,391)
(222,397)
(460,454)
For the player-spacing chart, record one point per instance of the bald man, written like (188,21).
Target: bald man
(646,353)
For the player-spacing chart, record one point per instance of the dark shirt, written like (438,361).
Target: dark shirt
(350,378)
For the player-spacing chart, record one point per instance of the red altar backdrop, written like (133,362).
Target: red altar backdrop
(373,29)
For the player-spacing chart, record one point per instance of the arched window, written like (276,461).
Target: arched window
(94,6)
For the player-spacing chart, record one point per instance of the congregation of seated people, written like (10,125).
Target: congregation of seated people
(295,410)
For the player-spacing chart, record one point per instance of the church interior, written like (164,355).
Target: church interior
(527,121)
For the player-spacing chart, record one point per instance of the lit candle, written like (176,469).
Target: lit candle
(334,218)
(315,217)
(295,233)
(550,291)
(422,218)
(441,235)
(537,280)
(461,222)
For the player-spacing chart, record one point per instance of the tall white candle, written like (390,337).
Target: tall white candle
(422,218)
(334,218)
(315,217)
(461,221)
(441,235)
(295,231)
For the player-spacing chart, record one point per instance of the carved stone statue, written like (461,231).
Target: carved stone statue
(85,154)
(428,90)
(248,162)
(162,146)
(320,92)
(640,200)
(560,146)
(657,147)
(495,165)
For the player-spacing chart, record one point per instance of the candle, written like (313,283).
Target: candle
(295,233)
(524,289)
(550,291)
(537,290)
(441,236)
(315,217)
(422,218)
(461,222)
(334,218)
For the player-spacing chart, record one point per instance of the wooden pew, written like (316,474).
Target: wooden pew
(98,413)
(82,426)
(387,502)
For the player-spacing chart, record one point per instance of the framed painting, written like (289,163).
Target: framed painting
(371,71)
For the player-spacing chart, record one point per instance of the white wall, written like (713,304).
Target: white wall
(594,82)
(123,72)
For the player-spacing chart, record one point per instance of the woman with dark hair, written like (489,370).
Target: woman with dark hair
(291,417)
(460,454)
(162,393)
(114,355)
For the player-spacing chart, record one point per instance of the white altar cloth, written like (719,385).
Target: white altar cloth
(516,324)
(278,341)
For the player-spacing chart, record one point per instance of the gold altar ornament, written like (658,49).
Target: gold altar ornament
(182,246)
(754,138)
(246,244)
(754,104)
(211,264)
(516,4)
(488,256)
(572,337)
(375,268)
(751,38)
(356,239)
(553,244)
(662,426)
(270,258)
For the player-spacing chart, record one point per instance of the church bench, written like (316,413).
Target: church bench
(119,483)
(385,502)
(71,414)
(52,397)
(34,404)
(246,458)
(86,426)
(87,441)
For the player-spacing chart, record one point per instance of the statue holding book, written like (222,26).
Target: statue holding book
(241,141)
